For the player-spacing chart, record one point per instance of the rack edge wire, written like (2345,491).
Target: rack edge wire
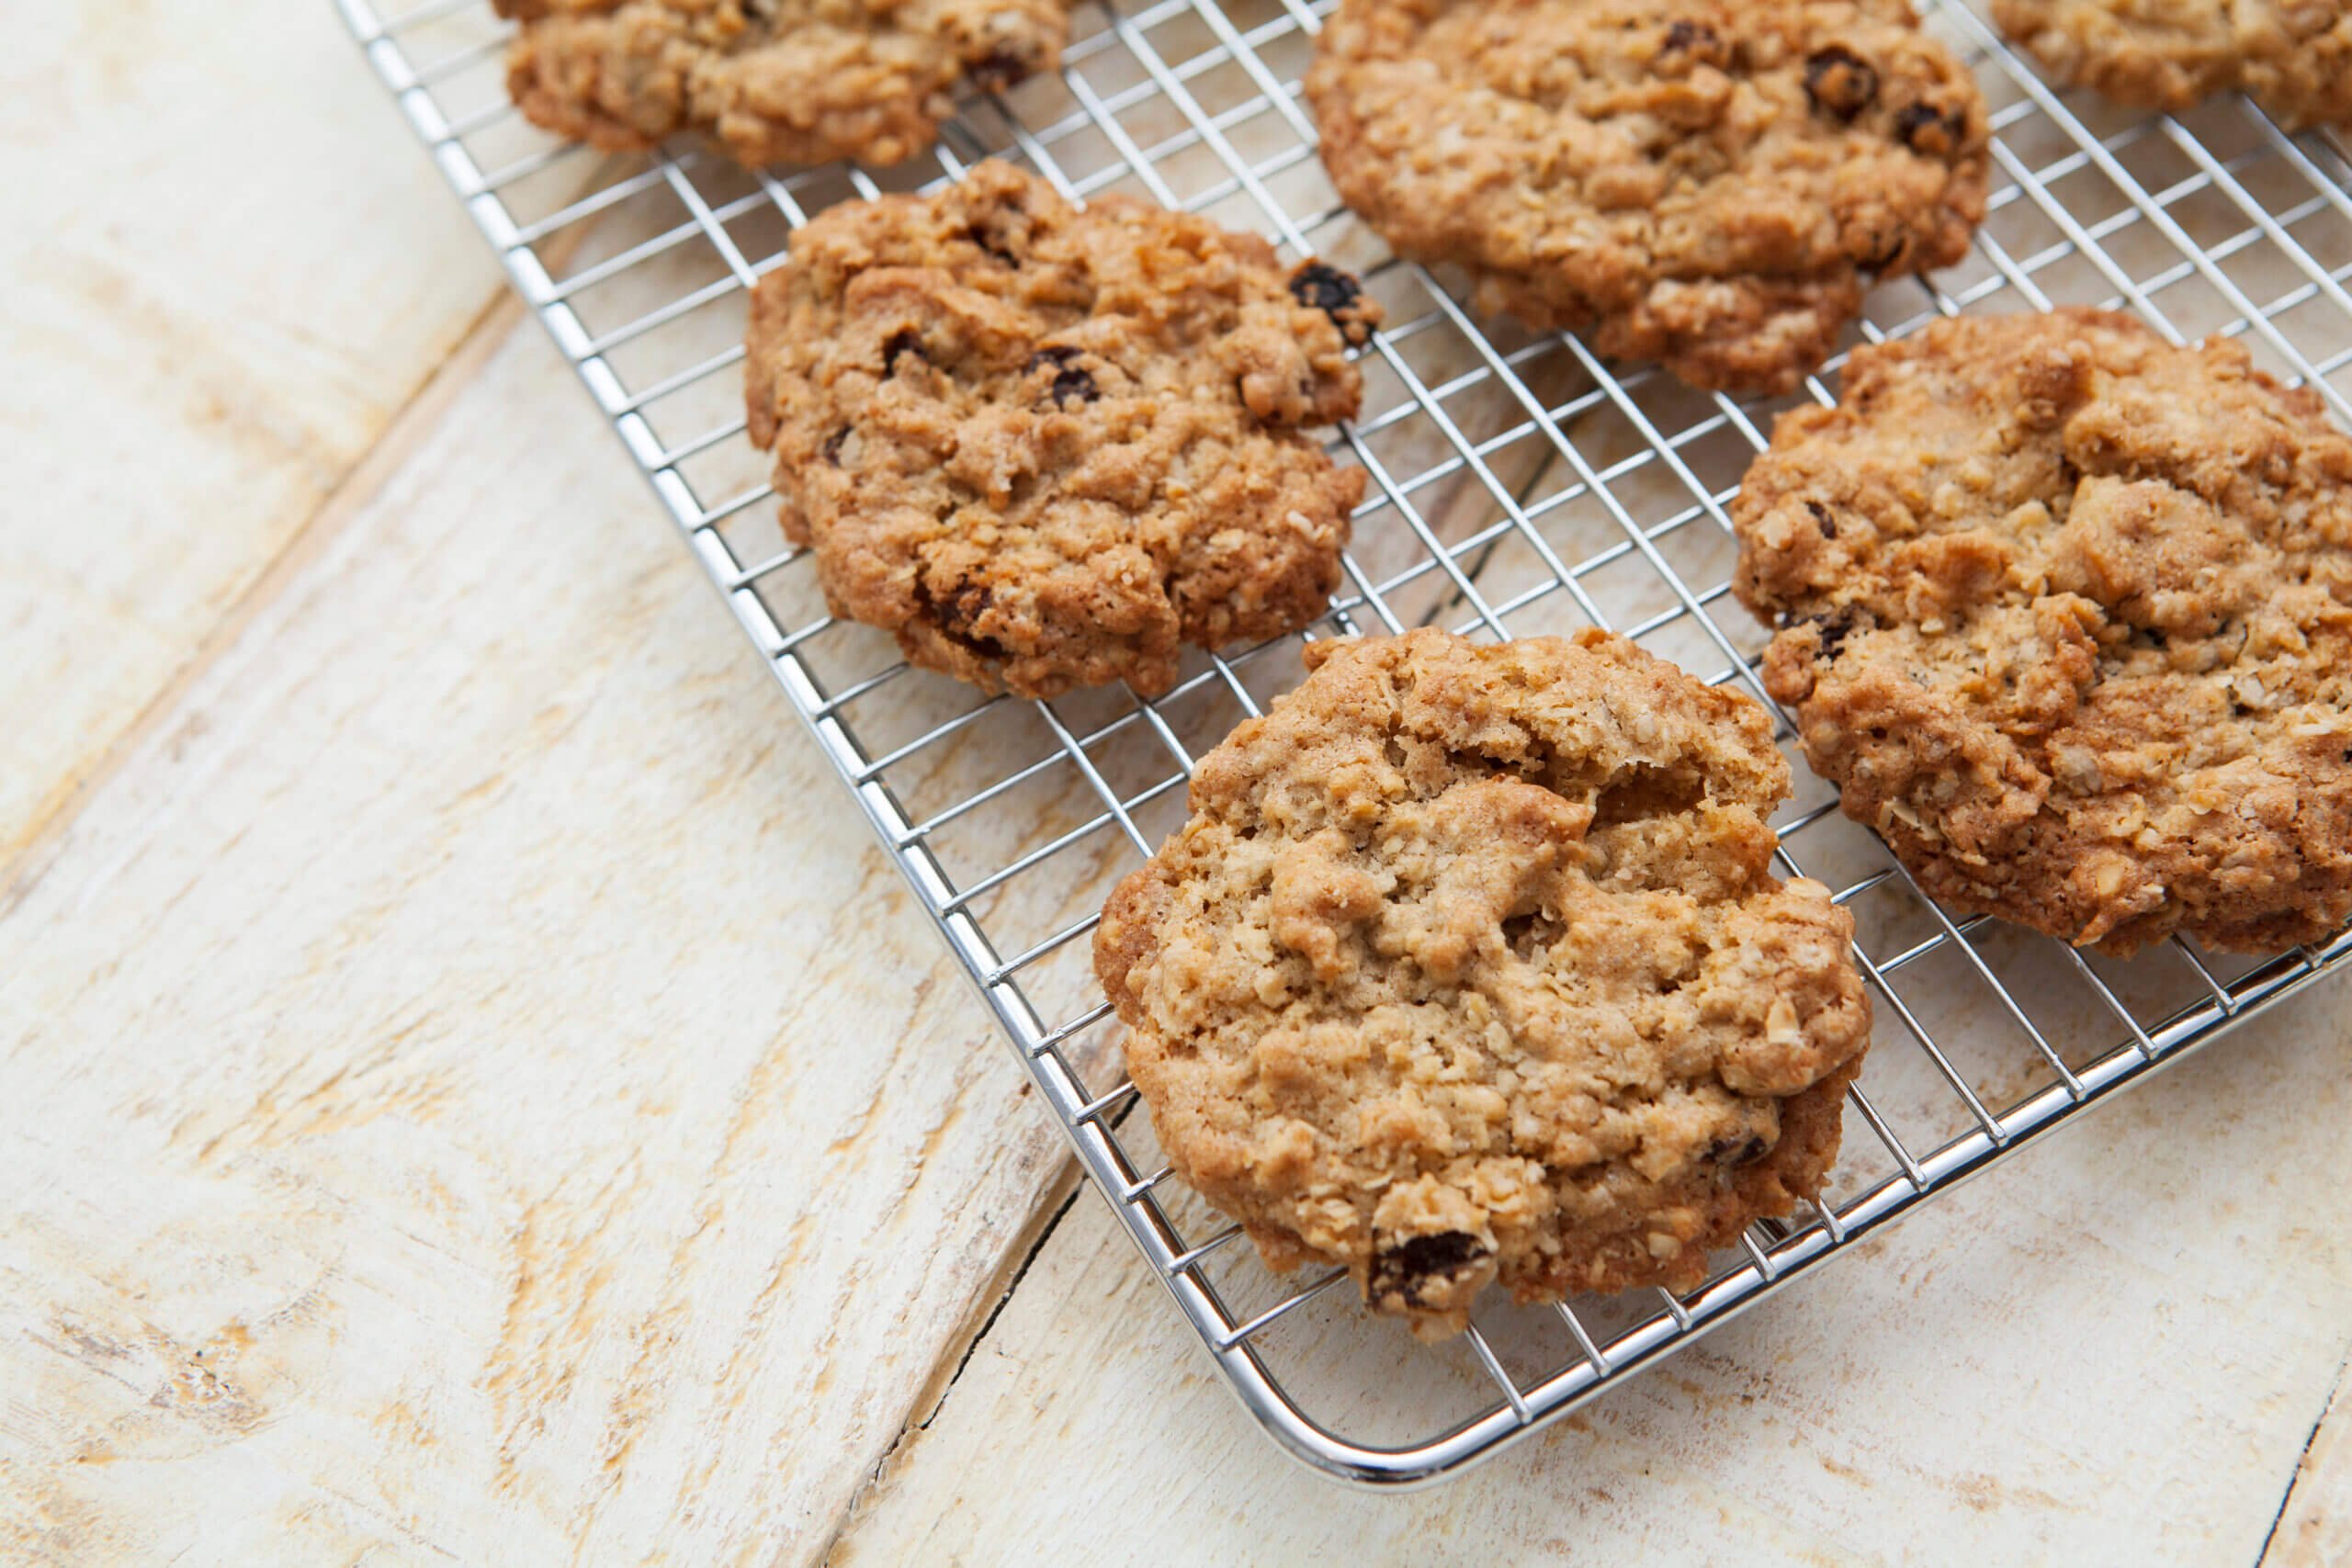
(1322,1450)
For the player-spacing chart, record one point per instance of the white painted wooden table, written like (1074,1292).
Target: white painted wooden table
(473,1094)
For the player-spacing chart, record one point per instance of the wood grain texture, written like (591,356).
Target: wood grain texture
(2110,1351)
(477,1091)
(211,319)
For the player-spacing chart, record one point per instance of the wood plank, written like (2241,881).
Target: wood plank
(2110,1351)
(476,1088)
(241,270)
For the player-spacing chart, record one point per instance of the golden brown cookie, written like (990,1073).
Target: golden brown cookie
(2294,57)
(772,81)
(1045,445)
(2067,616)
(1709,183)
(1469,968)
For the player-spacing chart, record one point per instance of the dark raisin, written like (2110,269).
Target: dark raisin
(906,340)
(955,615)
(1887,254)
(1839,82)
(1822,519)
(1737,1152)
(1330,290)
(998,69)
(1836,627)
(1070,379)
(1694,38)
(832,446)
(1929,131)
(982,238)
(964,608)
(1407,1270)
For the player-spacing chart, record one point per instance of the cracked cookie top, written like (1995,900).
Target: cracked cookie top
(2067,618)
(1707,183)
(772,81)
(1468,967)
(1045,445)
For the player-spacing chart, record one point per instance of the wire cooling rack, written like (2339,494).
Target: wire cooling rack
(1518,484)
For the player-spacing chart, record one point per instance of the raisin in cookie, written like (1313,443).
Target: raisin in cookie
(1045,445)
(2068,617)
(1708,183)
(2294,57)
(1468,968)
(773,81)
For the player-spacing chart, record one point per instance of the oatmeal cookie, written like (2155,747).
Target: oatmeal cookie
(2067,615)
(1468,968)
(772,81)
(1708,183)
(1045,446)
(2294,57)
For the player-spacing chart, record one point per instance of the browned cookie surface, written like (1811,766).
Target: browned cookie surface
(1708,183)
(2293,56)
(1046,446)
(773,81)
(1469,967)
(2069,620)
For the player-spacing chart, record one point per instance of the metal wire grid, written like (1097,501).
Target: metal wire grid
(1518,485)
